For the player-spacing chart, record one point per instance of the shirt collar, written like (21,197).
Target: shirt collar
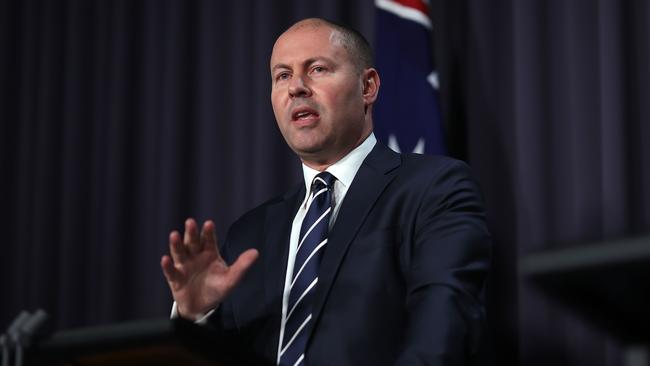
(345,169)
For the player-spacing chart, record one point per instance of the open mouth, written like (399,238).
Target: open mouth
(303,114)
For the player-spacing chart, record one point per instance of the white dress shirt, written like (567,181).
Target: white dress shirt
(344,171)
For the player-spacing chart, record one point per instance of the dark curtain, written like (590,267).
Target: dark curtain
(555,114)
(118,119)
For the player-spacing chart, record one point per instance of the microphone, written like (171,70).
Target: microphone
(20,334)
(24,336)
(6,339)
(30,326)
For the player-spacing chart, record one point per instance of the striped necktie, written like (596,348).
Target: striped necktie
(311,245)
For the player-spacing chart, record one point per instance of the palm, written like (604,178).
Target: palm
(197,275)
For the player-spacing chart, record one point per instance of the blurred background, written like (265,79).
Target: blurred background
(119,119)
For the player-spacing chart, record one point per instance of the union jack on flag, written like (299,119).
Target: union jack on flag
(407,113)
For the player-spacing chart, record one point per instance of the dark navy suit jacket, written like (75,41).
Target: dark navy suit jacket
(401,279)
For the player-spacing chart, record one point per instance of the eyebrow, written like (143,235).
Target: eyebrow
(307,62)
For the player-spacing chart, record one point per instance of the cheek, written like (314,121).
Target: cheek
(351,94)
(350,105)
(276,104)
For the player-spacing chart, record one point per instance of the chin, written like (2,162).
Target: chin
(308,144)
(307,150)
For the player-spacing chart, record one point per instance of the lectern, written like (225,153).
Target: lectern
(607,283)
(152,342)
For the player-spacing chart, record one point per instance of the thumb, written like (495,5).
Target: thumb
(241,265)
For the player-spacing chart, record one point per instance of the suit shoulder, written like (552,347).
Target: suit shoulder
(438,174)
(258,213)
(434,165)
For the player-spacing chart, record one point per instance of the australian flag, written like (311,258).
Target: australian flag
(407,113)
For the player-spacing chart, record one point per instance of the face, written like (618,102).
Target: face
(320,99)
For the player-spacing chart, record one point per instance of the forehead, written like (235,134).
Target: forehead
(308,42)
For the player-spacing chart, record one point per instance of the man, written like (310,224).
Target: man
(397,248)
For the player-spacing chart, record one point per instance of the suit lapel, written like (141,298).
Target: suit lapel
(279,217)
(377,170)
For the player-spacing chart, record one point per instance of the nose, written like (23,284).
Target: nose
(298,88)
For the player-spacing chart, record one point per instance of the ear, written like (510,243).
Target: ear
(371,84)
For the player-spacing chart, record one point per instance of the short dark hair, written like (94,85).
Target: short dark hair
(353,41)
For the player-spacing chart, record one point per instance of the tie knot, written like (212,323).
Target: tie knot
(323,180)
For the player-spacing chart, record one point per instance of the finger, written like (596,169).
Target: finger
(191,238)
(172,275)
(208,237)
(176,248)
(241,266)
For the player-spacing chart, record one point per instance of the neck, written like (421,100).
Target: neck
(322,163)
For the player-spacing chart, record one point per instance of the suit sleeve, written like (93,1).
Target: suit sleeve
(446,264)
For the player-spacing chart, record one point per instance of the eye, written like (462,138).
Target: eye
(282,76)
(318,69)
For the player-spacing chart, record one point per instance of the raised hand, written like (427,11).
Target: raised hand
(197,275)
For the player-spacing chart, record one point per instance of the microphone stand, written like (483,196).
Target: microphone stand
(6,340)
(28,330)
(20,335)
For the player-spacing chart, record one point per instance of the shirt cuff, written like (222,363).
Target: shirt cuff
(201,320)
